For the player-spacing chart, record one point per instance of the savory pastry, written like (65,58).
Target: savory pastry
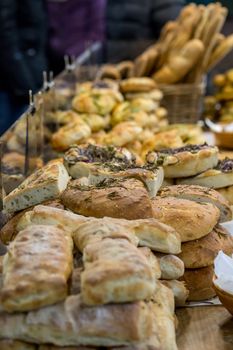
(79,160)
(157,236)
(179,290)
(43,281)
(70,323)
(46,183)
(202,252)
(115,271)
(97,100)
(43,215)
(199,194)
(109,71)
(199,282)
(122,198)
(171,266)
(123,133)
(220,176)
(152,260)
(95,230)
(73,133)
(60,118)
(189,160)
(190,219)
(137,85)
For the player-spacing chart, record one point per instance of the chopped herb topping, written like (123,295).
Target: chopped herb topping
(225,165)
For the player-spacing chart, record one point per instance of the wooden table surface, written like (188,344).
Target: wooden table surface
(205,328)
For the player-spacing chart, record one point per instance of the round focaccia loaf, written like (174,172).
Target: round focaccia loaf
(126,199)
(199,194)
(219,177)
(190,219)
(202,252)
(199,282)
(188,160)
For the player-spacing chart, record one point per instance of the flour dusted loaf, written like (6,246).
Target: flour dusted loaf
(190,219)
(70,323)
(199,194)
(202,252)
(171,266)
(115,271)
(36,268)
(46,183)
(127,198)
(153,261)
(187,160)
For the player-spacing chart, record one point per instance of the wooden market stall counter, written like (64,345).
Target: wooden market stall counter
(204,328)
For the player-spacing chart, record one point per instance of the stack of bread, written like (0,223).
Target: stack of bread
(194,211)
(96,277)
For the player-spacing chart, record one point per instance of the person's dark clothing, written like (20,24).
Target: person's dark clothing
(23,36)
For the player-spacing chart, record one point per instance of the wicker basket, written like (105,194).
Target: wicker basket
(184,102)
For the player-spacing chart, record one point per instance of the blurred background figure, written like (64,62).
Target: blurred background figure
(23,42)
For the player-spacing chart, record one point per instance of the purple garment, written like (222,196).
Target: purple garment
(73,23)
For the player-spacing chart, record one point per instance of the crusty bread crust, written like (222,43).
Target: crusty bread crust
(199,194)
(190,219)
(202,252)
(126,199)
(227,193)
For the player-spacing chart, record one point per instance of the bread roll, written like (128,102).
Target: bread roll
(46,183)
(190,219)
(43,281)
(179,290)
(188,160)
(200,195)
(153,261)
(199,282)
(118,199)
(71,324)
(171,266)
(115,271)
(202,252)
(137,84)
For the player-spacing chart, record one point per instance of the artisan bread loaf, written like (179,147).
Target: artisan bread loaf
(46,183)
(126,198)
(36,268)
(115,271)
(190,219)
(153,261)
(199,194)
(70,323)
(202,252)
(199,282)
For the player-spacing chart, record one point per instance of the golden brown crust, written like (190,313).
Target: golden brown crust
(190,219)
(202,252)
(199,282)
(126,199)
(43,281)
(153,261)
(199,194)
(115,271)
(171,266)
(137,85)
(227,193)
